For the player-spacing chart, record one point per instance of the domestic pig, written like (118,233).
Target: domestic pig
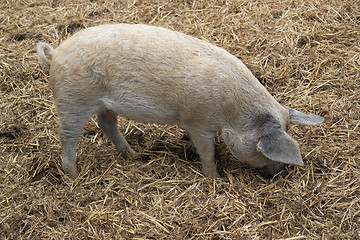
(155,75)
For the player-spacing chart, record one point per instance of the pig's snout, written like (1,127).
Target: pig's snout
(269,170)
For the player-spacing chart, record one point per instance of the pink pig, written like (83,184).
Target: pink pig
(155,75)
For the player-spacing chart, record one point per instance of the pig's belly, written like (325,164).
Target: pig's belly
(143,109)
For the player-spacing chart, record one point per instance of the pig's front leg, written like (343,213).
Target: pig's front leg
(204,144)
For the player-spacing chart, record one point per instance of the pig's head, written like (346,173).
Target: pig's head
(264,143)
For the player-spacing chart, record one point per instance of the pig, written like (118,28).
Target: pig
(156,75)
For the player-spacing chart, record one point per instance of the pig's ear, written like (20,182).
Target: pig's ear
(297,117)
(278,146)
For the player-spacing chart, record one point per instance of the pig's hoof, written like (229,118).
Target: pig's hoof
(129,150)
(70,168)
(72,172)
(212,174)
(74,175)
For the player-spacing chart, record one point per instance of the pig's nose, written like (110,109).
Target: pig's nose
(270,170)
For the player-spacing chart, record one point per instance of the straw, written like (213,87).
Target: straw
(306,53)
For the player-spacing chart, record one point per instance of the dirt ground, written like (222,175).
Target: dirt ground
(306,53)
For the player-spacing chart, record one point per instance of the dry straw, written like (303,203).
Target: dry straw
(307,54)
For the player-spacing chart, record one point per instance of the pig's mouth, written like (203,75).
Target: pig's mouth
(271,170)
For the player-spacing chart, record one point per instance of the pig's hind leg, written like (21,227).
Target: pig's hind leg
(107,120)
(72,120)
